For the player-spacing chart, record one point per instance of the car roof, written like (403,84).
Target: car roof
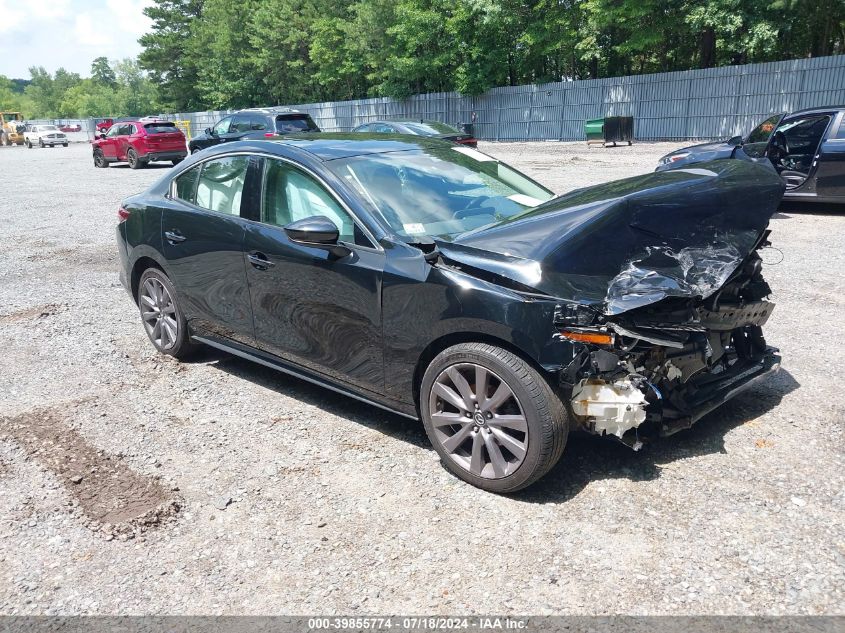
(333,145)
(273,110)
(817,110)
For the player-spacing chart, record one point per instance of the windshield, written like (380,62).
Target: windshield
(295,123)
(47,128)
(160,128)
(431,128)
(443,191)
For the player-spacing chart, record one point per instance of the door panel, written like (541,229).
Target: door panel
(830,171)
(310,306)
(204,249)
(321,312)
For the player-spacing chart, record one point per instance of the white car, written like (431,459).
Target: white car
(44,135)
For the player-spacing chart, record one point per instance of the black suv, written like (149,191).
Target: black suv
(254,123)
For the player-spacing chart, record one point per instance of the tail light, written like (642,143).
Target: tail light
(122,215)
(269,134)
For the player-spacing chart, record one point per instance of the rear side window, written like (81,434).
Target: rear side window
(241,123)
(288,123)
(160,128)
(257,122)
(221,184)
(186,184)
(840,134)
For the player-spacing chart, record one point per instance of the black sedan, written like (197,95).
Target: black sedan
(807,149)
(433,280)
(432,129)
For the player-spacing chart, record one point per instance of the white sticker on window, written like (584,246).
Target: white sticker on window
(526,201)
(474,153)
(415,228)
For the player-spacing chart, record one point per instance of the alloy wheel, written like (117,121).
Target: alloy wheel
(478,421)
(158,312)
(131,158)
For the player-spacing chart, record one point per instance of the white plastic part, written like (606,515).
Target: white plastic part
(612,408)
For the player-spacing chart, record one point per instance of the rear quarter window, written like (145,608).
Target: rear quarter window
(288,123)
(186,185)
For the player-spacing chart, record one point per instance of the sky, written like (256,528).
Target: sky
(68,33)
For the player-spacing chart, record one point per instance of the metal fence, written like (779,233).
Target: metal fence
(692,104)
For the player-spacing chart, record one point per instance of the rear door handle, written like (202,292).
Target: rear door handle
(174,237)
(259,261)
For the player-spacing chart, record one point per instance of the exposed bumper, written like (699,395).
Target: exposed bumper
(720,388)
(165,155)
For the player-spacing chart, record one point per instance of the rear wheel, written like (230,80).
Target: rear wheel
(100,159)
(176,161)
(64,144)
(163,320)
(133,159)
(493,419)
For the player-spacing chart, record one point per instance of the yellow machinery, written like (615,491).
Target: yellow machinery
(11,128)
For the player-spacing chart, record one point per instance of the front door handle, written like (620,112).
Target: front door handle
(174,237)
(259,261)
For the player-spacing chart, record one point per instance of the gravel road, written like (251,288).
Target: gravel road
(134,484)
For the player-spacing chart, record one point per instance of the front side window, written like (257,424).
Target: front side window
(383,128)
(442,191)
(222,126)
(221,183)
(114,130)
(291,195)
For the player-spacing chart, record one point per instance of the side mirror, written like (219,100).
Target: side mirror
(319,232)
(735,140)
(102,135)
(209,131)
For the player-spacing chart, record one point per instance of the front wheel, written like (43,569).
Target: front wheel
(64,144)
(133,159)
(41,143)
(29,143)
(163,319)
(493,419)
(176,161)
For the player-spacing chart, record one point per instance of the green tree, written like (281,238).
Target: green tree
(102,72)
(167,52)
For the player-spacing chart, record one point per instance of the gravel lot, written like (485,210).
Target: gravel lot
(133,484)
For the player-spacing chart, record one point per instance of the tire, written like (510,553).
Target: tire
(161,315)
(64,144)
(41,143)
(533,434)
(29,143)
(176,161)
(4,140)
(100,159)
(133,159)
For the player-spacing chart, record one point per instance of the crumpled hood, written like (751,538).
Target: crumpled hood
(700,153)
(632,242)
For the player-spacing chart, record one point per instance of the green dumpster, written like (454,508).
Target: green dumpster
(611,129)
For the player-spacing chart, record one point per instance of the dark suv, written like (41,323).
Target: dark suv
(254,123)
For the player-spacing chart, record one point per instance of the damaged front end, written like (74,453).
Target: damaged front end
(659,287)
(658,369)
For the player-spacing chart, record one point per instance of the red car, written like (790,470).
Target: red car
(139,143)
